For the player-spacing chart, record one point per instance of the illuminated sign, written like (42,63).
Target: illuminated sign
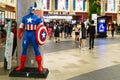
(101,26)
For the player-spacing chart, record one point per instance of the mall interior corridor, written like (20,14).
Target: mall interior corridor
(66,61)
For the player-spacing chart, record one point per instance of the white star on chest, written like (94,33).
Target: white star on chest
(29,20)
(24,42)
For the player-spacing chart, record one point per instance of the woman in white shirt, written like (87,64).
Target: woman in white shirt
(76,32)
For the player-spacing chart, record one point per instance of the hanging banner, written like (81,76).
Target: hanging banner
(39,8)
(110,6)
(61,4)
(2,0)
(79,5)
(8,48)
(94,18)
(45,4)
(39,4)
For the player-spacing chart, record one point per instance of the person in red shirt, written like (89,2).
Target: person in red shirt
(14,30)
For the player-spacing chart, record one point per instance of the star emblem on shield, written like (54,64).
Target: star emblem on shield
(41,34)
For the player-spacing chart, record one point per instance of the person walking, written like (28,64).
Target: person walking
(113,26)
(91,34)
(77,29)
(57,33)
(83,36)
(61,30)
(65,30)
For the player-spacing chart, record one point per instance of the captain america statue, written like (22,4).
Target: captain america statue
(30,22)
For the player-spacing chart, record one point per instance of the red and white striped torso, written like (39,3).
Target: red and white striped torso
(30,27)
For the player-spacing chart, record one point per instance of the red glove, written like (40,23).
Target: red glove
(19,33)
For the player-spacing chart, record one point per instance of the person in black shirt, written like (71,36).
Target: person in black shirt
(57,33)
(113,27)
(91,34)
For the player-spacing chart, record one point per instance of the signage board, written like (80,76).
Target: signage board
(101,26)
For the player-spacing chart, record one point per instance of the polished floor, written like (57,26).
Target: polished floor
(66,61)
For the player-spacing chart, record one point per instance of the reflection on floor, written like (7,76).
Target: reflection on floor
(109,73)
(66,61)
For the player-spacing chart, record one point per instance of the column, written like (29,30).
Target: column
(102,7)
(22,10)
(87,3)
(118,14)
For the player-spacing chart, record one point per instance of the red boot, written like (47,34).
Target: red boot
(39,61)
(22,62)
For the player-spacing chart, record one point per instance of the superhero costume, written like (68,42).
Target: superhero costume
(30,23)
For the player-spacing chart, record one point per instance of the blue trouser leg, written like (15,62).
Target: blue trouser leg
(35,46)
(25,44)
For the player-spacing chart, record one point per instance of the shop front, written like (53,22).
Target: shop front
(7,12)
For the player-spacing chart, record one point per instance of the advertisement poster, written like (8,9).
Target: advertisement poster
(39,4)
(79,5)
(3,18)
(61,4)
(2,1)
(111,5)
(39,7)
(42,4)
(45,4)
(94,17)
(11,1)
(8,48)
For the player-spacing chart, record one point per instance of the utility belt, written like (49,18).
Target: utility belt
(30,27)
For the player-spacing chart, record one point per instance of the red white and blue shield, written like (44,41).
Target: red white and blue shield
(41,34)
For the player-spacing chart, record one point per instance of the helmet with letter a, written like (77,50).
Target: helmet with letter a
(31,9)
(41,34)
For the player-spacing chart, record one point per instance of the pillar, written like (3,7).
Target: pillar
(118,14)
(103,7)
(87,3)
(22,10)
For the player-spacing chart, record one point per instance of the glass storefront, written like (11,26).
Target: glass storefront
(7,12)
